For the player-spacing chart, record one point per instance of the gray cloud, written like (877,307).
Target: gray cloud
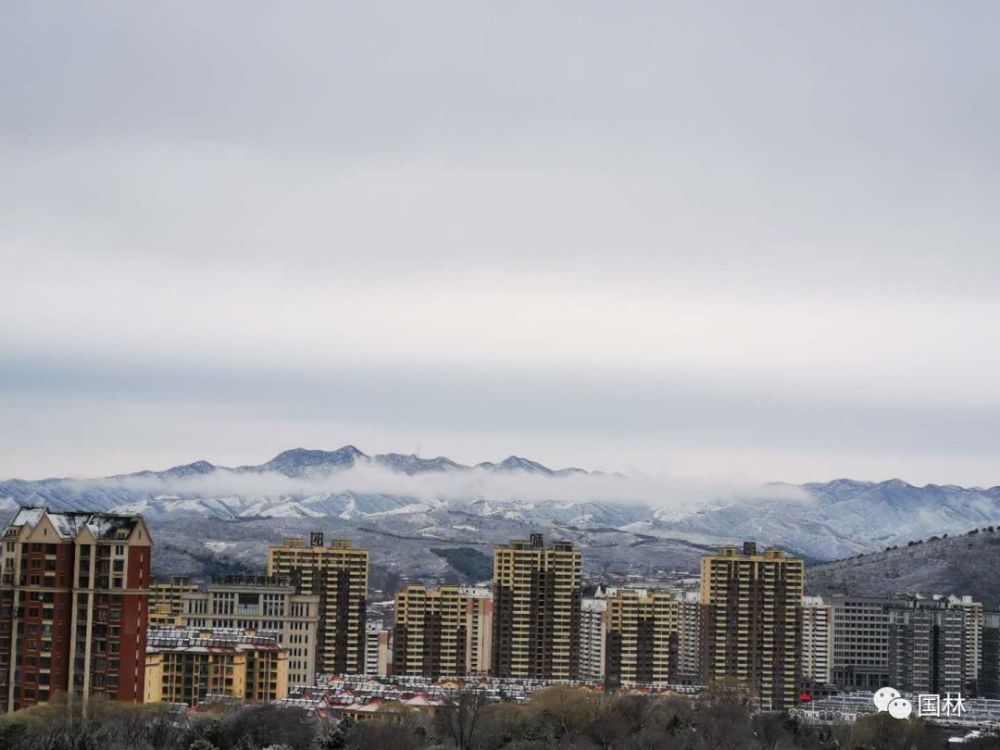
(691,236)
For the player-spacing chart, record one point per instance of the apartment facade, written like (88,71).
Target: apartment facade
(860,642)
(378,650)
(752,621)
(593,637)
(642,638)
(338,575)
(166,600)
(261,603)
(989,669)
(926,646)
(195,664)
(689,638)
(479,629)
(430,637)
(817,641)
(536,610)
(972,637)
(74,607)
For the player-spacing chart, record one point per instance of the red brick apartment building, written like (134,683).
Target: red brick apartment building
(74,606)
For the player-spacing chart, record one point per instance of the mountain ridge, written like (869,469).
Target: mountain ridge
(431,497)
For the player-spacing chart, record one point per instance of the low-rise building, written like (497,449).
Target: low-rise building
(194,664)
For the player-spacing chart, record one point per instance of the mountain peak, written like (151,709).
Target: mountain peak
(198,467)
(297,461)
(519,464)
(414,464)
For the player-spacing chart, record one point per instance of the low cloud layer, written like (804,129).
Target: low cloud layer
(659,492)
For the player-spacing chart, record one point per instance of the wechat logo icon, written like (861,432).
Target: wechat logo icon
(888,699)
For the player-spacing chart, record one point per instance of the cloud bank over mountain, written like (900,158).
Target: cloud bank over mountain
(304,473)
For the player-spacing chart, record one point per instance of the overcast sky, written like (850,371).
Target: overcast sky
(699,239)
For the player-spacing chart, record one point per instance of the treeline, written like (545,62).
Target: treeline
(562,718)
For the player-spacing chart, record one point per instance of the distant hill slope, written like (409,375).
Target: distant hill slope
(965,564)
(347,492)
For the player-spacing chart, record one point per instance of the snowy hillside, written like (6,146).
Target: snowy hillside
(404,495)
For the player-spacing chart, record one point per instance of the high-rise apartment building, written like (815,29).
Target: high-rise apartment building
(378,650)
(194,664)
(430,637)
(642,638)
(972,639)
(906,641)
(165,600)
(752,621)
(536,610)
(74,601)
(988,685)
(593,637)
(926,646)
(338,575)
(817,640)
(479,629)
(689,638)
(261,603)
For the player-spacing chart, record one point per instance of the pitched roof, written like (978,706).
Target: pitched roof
(68,524)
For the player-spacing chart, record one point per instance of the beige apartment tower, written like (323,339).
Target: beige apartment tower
(536,610)
(431,633)
(338,575)
(752,622)
(479,626)
(642,638)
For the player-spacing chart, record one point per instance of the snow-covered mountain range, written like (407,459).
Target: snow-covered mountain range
(405,497)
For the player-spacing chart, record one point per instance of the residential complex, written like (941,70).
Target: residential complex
(641,639)
(79,617)
(74,607)
(338,575)
(752,621)
(261,603)
(189,665)
(536,609)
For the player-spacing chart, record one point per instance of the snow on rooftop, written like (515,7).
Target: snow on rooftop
(69,524)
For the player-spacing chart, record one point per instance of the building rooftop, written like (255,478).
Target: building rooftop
(69,524)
